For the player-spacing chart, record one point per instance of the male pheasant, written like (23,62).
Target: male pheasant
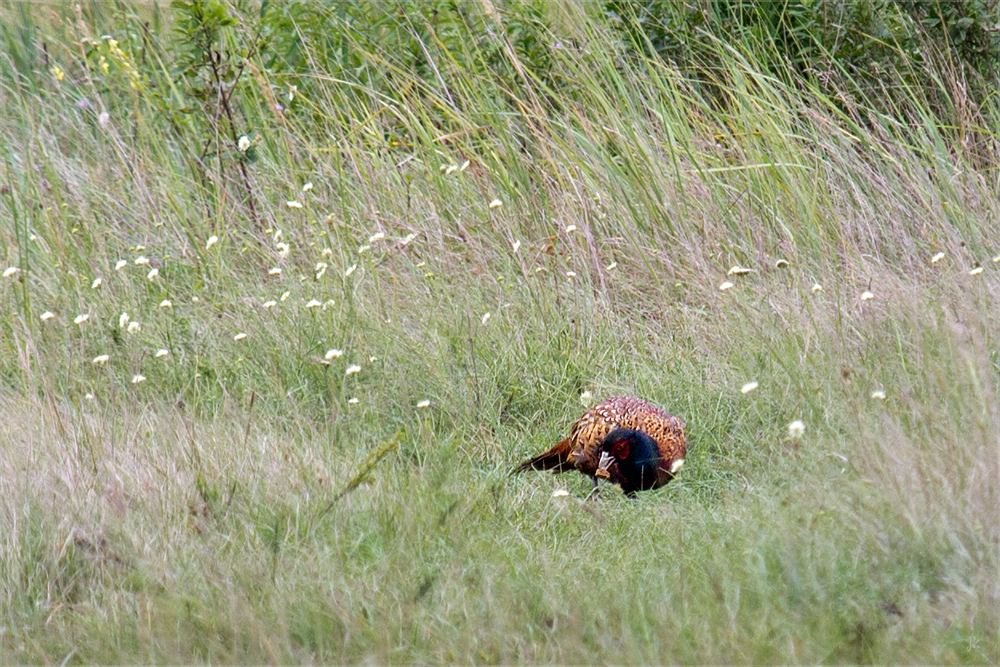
(626,440)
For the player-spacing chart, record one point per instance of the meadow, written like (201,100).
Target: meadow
(274,337)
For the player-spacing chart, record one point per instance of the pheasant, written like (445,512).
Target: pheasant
(625,440)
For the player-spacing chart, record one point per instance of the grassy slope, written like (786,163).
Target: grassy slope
(198,515)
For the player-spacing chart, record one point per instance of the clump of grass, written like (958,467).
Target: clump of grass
(241,502)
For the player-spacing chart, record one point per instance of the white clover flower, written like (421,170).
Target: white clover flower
(352,369)
(353,401)
(284,297)
(244,144)
(313,303)
(976,271)
(408,239)
(80,319)
(97,283)
(878,395)
(937,258)
(152,274)
(307,187)
(212,240)
(274,271)
(100,359)
(133,327)
(817,288)
(294,204)
(123,320)
(376,237)
(136,379)
(748,387)
(120,265)
(866,296)
(350,270)
(333,354)
(270,304)
(796,429)
(516,246)
(283,249)
(162,353)
(9,271)
(166,304)
(486,318)
(47,315)
(240,336)
(424,404)
(724,286)
(496,203)
(142,261)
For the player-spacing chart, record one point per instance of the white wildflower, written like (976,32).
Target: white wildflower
(796,429)
(120,265)
(570,229)
(724,286)
(937,258)
(496,203)
(123,320)
(748,387)
(307,187)
(352,369)
(133,327)
(274,271)
(313,303)
(142,261)
(424,404)
(866,296)
(97,283)
(350,270)
(333,354)
(100,359)
(166,304)
(9,271)
(294,203)
(270,304)
(212,240)
(136,379)
(485,318)
(80,319)
(976,271)
(244,144)
(162,353)
(879,394)
(516,246)
(152,274)
(47,315)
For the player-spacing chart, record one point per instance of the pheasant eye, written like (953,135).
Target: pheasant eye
(620,450)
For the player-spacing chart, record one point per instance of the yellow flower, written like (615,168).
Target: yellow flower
(586,398)
(748,387)
(57,72)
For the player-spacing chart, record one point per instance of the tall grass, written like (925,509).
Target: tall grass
(237,504)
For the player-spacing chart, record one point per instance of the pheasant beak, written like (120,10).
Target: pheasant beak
(603,465)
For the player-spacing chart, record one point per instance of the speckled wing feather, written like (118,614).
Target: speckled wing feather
(589,431)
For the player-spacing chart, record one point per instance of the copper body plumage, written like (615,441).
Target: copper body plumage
(582,449)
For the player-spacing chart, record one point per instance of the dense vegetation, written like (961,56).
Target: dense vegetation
(289,287)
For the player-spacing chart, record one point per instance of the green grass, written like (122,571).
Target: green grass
(236,506)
